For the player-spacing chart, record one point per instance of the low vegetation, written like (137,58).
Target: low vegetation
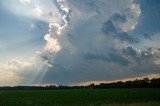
(143,92)
(81,97)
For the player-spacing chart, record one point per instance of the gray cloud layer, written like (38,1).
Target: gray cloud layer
(98,43)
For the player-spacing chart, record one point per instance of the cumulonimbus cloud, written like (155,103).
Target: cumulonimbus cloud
(96,43)
(94,40)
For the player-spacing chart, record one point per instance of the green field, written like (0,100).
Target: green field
(92,97)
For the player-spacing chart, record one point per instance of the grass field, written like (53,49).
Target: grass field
(93,97)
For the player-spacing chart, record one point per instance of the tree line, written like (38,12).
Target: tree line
(138,83)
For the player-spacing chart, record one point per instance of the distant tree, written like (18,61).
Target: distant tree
(142,83)
(91,86)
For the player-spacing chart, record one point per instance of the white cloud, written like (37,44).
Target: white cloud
(132,18)
(57,27)
(10,72)
(46,62)
(15,65)
(63,5)
(25,72)
(38,10)
(52,45)
(25,1)
(16,72)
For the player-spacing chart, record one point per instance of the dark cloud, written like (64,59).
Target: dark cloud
(109,57)
(126,37)
(100,44)
(129,51)
(119,18)
(110,30)
(147,56)
(147,36)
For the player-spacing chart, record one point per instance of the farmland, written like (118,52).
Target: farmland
(81,97)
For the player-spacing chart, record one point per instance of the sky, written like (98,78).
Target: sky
(76,42)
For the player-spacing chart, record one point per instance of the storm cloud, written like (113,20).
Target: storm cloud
(99,43)
(89,41)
